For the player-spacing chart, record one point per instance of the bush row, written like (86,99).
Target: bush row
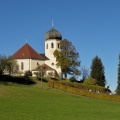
(82,92)
(93,88)
(17,79)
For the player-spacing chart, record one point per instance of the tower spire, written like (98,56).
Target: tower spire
(52,24)
(26,40)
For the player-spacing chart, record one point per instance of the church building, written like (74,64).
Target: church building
(29,59)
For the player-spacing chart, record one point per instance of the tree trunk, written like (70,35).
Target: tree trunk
(65,75)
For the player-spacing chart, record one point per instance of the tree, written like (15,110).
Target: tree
(28,73)
(41,71)
(85,73)
(67,58)
(73,79)
(12,66)
(118,86)
(90,81)
(97,71)
(3,61)
(8,65)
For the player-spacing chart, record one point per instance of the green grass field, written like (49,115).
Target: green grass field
(24,102)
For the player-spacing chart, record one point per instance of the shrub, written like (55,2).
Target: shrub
(51,74)
(6,79)
(73,79)
(28,73)
(90,81)
(39,74)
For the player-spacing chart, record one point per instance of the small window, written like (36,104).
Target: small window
(22,66)
(52,45)
(58,45)
(46,46)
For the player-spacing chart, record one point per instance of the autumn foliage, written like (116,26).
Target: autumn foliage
(84,90)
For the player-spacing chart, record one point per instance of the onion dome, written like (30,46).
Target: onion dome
(53,34)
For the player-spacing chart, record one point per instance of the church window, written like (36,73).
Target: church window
(52,45)
(46,46)
(58,45)
(22,66)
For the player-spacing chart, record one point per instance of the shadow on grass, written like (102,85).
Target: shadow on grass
(15,79)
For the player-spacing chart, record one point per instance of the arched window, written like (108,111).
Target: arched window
(58,45)
(22,66)
(52,45)
(46,46)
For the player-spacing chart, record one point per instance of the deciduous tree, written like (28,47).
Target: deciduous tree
(85,73)
(67,58)
(3,61)
(12,66)
(8,65)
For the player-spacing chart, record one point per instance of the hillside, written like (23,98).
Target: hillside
(24,102)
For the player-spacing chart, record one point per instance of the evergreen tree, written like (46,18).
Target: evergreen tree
(97,71)
(118,86)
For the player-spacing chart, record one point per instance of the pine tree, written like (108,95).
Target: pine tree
(118,86)
(97,71)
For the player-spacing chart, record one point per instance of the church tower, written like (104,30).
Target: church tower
(52,42)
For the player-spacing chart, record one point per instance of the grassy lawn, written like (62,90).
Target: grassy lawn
(24,102)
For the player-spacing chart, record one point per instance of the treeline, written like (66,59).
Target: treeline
(68,59)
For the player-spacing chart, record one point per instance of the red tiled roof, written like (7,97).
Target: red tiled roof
(27,52)
(44,67)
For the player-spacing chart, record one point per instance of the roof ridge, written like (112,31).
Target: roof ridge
(28,47)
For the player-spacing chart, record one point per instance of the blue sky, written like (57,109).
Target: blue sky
(93,26)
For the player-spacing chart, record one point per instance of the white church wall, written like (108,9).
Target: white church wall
(49,53)
(35,63)
(26,64)
(29,64)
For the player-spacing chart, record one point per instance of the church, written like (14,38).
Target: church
(29,59)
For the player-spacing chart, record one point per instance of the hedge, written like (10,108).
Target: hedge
(83,92)
(93,88)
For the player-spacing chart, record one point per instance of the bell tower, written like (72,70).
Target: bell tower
(52,42)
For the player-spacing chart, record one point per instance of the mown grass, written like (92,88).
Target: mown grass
(24,102)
